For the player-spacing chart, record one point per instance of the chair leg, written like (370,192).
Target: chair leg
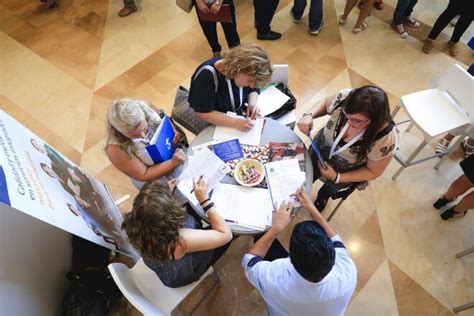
(451,149)
(465,252)
(395,110)
(335,210)
(463,307)
(410,159)
(410,126)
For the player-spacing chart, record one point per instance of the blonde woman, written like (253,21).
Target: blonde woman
(130,126)
(171,241)
(239,73)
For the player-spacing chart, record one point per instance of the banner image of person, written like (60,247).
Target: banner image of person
(39,181)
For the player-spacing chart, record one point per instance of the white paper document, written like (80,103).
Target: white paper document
(270,100)
(284,178)
(243,206)
(206,164)
(251,137)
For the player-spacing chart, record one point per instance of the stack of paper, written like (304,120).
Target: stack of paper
(284,178)
(243,206)
(204,164)
(251,137)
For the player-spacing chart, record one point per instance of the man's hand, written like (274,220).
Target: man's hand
(329,173)
(243,124)
(282,217)
(216,6)
(202,6)
(302,197)
(305,124)
(252,111)
(178,157)
(201,186)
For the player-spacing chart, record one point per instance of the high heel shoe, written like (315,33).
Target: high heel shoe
(320,204)
(450,213)
(441,202)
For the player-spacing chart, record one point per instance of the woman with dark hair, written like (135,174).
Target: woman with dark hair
(172,242)
(357,142)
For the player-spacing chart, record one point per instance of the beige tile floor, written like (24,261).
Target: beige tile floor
(60,70)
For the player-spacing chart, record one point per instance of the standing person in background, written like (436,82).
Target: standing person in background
(463,8)
(317,277)
(129,7)
(315,17)
(402,16)
(363,14)
(209,28)
(264,12)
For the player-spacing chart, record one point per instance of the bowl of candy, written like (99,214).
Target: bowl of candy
(249,172)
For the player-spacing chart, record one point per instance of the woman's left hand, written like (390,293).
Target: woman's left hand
(216,6)
(252,111)
(329,173)
(176,138)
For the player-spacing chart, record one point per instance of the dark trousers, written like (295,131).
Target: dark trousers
(276,251)
(264,12)
(230,30)
(315,12)
(455,7)
(404,9)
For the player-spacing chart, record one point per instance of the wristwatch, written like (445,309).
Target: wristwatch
(310,114)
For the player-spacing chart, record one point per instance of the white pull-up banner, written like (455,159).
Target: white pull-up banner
(39,181)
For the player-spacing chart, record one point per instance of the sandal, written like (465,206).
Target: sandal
(359,29)
(341,20)
(468,149)
(450,213)
(453,49)
(442,146)
(427,46)
(441,202)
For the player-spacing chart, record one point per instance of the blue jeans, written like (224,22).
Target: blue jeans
(404,9)
(315,12)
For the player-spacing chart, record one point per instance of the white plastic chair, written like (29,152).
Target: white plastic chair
(435,112)
(281,73)
(145,291)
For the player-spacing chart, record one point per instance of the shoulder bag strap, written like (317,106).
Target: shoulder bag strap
(214,74)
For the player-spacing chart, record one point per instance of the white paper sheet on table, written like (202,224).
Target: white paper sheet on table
(251,137)
(205,163)
(243,206)
(270,100)
(284,178)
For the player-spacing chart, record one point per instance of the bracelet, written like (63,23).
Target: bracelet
(206,200)
(310,114)
(338,178)
(208,207)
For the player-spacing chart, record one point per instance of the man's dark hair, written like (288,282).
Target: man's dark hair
(311,251)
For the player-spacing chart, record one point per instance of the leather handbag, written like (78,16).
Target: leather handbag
(289,105)
(185,5)
(182,112)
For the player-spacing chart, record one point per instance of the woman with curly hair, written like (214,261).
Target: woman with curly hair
(238,75)
(131,124)
(357,142)
(171,242)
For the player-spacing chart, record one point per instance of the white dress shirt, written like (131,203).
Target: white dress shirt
(286,292)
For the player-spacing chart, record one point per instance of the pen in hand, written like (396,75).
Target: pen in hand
(199,180)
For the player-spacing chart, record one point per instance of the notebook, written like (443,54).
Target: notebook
(223,15)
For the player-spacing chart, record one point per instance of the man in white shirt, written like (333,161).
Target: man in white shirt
(318,277)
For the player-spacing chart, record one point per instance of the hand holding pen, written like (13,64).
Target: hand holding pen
(200,189)
(252,111)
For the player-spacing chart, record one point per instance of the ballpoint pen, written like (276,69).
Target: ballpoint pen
(199,180)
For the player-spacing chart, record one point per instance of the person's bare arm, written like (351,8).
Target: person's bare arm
(320,108)
(220,119)
(136,169)
(252,108)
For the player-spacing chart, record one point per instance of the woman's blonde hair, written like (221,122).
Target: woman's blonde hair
(248,59)
(154,222)
(125,115)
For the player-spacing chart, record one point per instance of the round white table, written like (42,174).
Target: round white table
(272,132)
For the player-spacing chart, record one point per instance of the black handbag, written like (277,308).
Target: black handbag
(289,106)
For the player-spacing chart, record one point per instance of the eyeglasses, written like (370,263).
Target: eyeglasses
(354,120)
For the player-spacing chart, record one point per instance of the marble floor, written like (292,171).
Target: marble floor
(60,70)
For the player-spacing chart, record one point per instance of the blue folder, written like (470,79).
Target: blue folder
(161,147)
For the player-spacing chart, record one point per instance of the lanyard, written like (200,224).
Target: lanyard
(338,139)
(231,95)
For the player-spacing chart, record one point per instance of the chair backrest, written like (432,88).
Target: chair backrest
(460,85)
(145,291)
(281,73)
